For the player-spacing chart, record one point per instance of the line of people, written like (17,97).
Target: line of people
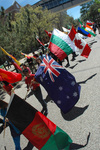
(34,87)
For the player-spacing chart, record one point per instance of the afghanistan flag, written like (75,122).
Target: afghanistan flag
(82,46)
(10,77)
(36,127)
(59,83)
(60,44)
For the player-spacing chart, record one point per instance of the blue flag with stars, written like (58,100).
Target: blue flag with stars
(59,83)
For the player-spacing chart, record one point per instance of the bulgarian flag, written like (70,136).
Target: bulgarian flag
(60,44)
(81,44)
(36,127)
(10,77)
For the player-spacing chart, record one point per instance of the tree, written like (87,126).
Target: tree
(94,15)
(32,22)
(85,9)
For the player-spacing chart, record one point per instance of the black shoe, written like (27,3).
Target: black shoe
(75,55)
(46,113)
(67,65)
(73,59)
(42,111)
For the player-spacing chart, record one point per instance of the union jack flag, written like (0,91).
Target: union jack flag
(50,67)
(60,85)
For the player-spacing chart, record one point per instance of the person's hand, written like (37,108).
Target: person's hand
(32,81)
(7,120)
(12,90)
(27,90)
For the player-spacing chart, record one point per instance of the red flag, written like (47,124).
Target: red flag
(82,46)
(10,77)
(48,33)
(40,42)
(1,78)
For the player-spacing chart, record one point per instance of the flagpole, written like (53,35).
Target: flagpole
(4,133)
(41,43)
(29,88)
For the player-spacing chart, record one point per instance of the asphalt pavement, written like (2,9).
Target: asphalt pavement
(82,123)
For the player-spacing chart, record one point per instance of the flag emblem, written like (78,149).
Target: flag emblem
(50,67)
(41,130)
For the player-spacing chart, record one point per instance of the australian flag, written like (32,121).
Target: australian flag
(59,83)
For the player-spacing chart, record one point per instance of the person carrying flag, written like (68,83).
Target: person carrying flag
(25,67)
(7,87)
(15,133)
(35,89)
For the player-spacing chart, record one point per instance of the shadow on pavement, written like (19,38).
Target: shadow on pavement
(18,86)
(81,60)
(75,146)
(29,146)
(72,67)
(83,82)
(91,43)
(74,113)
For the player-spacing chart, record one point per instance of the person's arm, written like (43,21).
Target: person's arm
(27,85)
(34,81)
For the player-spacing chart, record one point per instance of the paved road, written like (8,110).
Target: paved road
(82,123)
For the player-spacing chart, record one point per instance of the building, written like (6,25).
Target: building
(59,5)
(13,9)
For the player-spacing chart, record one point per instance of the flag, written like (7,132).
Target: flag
(28,56)
(89,23)
(14,63)
(39,41)
(48,33)
(1,79)
(89,29)
(60,44)
(25,55)
(36,127)
(81,44)
(59,83)
(11,56)
(10,77)
(84,32)
(68,26)
(65,30)
(80,22)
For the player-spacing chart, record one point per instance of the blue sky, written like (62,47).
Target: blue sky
(74,12)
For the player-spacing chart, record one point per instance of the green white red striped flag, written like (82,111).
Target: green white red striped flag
(60,44)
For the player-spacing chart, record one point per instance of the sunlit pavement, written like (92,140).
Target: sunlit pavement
(84,118)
